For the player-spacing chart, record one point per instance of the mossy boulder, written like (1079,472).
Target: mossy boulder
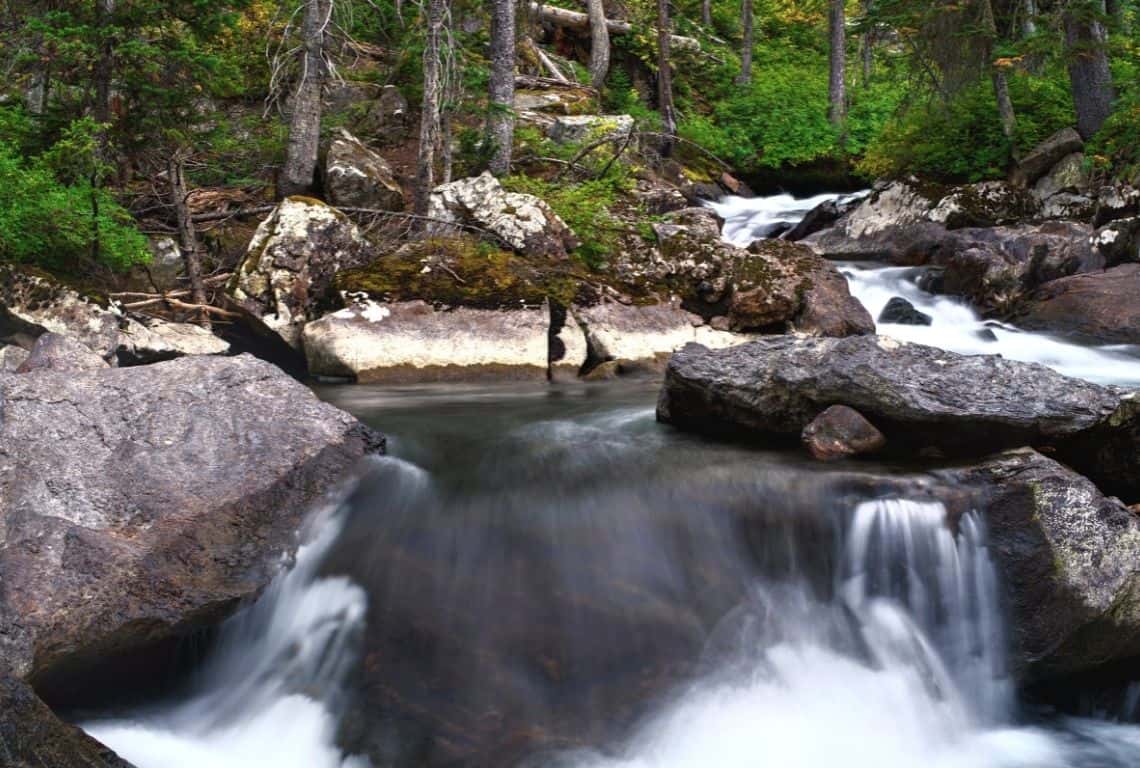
(358,177)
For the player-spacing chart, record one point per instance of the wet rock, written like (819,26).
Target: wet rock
(583,129)
(31,736)
(986,204)
(1069,558)
(413,342)
(1099,307)
(150,340)
(523,222)
(1047,154)
(1068,175)
(966,405)
(142,504)
(285,277)
(822,216)
(901,312)
(986,334)
(55,352)
(839,432)
(357,177)
(38,303)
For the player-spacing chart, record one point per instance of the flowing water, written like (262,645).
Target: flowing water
(545,576)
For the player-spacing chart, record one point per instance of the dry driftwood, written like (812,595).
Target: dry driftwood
(560,17)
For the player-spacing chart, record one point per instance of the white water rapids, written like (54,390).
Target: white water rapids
(903,665)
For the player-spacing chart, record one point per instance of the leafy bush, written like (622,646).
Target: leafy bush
(61,221)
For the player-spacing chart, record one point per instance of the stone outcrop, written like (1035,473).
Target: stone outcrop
(1069,559)
(1099,307)
(1068,175)
(285,277)
(358,177)
(1116,202)
(522,222)
(839,432)
(986,204)
(149,340)
(414,341)
(40,304)
(924,400)
(139,504)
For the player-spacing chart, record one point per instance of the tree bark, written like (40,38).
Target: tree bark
(837,81)
(665,80)
(997,75)
(746,44)
(1029,23)
(300,169)
(706,12)
(429,113)
(867,42)
(501,118)
(187,234)
(104,64)
(599,43)
(1086,48)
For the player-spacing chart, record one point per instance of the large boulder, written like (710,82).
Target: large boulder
(1068,175)
(141,504)
(996,268)
(771,285)
(1118,242)
(284,279)
(413,341)
(1069,558)
(986,204)
(523,222)
(582,129)
(31,736)
(924,400)
(1099,307)
(1116,202)
(147,340)
(1046,155)
(358,177)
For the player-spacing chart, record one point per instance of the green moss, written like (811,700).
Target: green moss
(462,271)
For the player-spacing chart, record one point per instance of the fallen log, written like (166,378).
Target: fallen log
(560,17)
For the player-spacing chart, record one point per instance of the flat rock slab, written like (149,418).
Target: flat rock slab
(923,400)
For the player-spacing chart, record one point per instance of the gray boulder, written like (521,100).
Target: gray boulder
(147,340)
(1069,558)
(582,129)
(286,275)
(1119,242)
(140,504)
(1098,307)
(357,177)
(924,400)
(1116,202)
(986,204)
(523,222)
(38,304)
(1068,175)
(12,357)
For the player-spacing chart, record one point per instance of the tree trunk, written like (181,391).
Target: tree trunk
(837,82)
(746,44)
(187,234)
(665,79)
(867,43)
(429,113)
(599,43)
(706,12)
(1029,23)
(1089,75)
(501,118)
(300,169)
(104,64)
(997,75)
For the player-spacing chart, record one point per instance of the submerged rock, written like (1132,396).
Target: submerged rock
(965,405)
(290,264)
(900,311)
(839,432)
(142,504)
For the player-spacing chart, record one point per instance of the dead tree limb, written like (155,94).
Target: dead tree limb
(560,17)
